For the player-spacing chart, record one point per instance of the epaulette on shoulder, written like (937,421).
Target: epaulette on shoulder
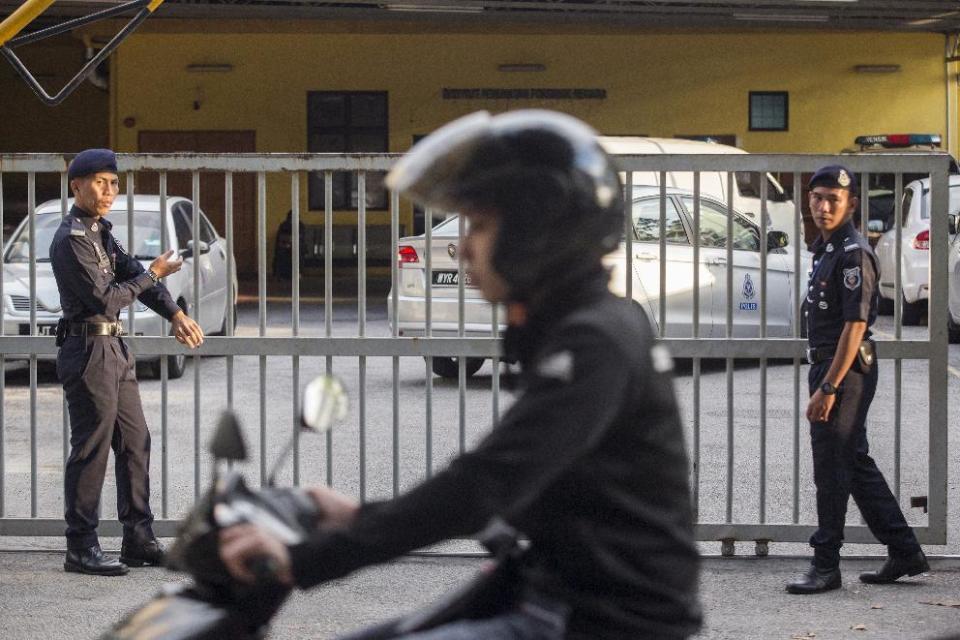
(851,247)
(76,228)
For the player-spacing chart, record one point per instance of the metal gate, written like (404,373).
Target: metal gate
(377,456)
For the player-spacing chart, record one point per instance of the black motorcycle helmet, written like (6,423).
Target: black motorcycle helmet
(558,196)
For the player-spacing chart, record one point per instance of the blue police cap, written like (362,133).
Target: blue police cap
(92,161)
(835,176)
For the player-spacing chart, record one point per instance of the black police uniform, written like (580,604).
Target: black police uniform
(96,279)
(589,463)
(843,288)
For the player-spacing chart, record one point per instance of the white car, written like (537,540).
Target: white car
(915,249)
(411,309)
(953,279)
(208,254)
(746,191)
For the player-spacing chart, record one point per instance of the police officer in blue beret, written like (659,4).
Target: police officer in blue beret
(840,307)
(96,278)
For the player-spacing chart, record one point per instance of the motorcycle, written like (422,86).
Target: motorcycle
(216,605)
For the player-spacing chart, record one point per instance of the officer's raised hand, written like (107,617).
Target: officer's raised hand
(163,266)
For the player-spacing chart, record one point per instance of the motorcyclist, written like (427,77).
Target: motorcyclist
(589,462)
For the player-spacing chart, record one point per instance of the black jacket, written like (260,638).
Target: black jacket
(589,463)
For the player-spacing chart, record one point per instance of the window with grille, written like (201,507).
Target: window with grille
(347,122)
(769,110)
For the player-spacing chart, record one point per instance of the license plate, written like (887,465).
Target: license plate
(449,278)
(42,329)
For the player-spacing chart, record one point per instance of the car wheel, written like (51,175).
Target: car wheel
(450,367)
(913,313)
(953,329)
(176,365)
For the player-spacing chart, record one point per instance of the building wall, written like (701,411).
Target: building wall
(28,126)
(658,84)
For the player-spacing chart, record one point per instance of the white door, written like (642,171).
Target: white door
(745,294)
(679,292)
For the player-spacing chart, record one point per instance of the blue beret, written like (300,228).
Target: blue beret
(92,161)
(835,176)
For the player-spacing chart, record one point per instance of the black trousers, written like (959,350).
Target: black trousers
(99,380)
(842,467)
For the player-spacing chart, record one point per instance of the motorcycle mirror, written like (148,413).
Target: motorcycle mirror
(227,442)
(324,403)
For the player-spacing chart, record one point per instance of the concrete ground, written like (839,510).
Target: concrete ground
(743,598)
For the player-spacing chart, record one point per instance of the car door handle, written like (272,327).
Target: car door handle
(645,256)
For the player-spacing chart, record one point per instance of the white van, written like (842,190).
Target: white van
(746,192)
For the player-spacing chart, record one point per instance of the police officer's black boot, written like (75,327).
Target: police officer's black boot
(138,554)
(92,561)
(816,580)
(897,567)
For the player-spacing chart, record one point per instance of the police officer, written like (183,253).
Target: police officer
(96,278)
(589,462)
(840,307)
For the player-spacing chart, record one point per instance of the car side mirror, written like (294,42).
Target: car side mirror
(195,247)
(777,240)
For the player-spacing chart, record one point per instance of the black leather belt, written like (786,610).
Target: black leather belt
(816,355)
(95,329)
(819,354)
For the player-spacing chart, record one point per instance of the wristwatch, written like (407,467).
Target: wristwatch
(153,276)
(828,389)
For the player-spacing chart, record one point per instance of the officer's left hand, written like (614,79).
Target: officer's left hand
(186,330)
(820,406)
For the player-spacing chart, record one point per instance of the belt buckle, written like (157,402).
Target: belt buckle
(811,353)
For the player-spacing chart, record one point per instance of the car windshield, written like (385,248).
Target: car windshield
(954,206)
(448,228)
(146,236)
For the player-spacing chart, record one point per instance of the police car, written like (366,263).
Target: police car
(444,278)
(207,253)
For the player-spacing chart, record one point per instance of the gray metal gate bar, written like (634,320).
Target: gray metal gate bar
(328,293)
(763,334)
(362,324)
(798,283)
(262,302)
(395,332)
(295,314)
(428,333)
(32,230)
(164,372)
(3,381)
(197,313)
(898,330)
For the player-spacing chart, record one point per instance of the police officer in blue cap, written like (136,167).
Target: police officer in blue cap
(840,307)
(96,278)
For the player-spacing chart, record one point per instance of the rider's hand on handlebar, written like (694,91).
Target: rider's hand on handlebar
(246,546)
(336,509)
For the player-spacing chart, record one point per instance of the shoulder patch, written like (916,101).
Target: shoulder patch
(851,278)
(77,232)
(851,247)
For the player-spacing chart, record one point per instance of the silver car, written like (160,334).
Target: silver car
(208,253)
(679,297)
(914,249)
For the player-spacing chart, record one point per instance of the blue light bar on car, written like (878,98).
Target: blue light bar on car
(897,140)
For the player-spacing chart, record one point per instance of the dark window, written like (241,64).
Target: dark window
(346,123)
(646,222)
(769,110)
(182,214)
